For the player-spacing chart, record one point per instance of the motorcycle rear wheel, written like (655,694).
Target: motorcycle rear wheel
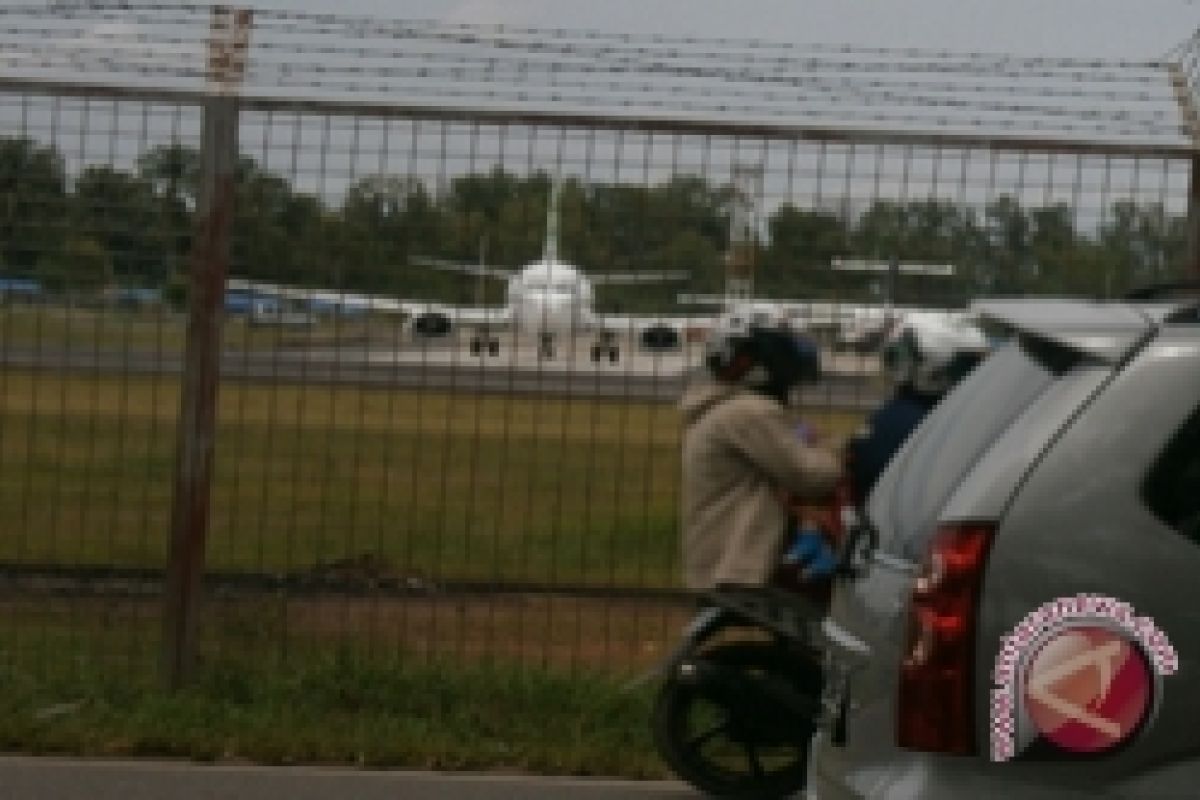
(720,748)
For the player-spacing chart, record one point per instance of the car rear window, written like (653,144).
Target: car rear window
(915,487)
(1172,487)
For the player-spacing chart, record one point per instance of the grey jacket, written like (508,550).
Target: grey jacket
(739,450)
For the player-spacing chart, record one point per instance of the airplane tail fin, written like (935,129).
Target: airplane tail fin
(550,247)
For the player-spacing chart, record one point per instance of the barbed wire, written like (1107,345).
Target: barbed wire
(417,61)
(159,44)
(832,91)
(365,26)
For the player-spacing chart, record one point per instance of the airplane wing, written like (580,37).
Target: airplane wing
(459,315)
(330,300)
(686,327)
(475,270)
(499,316)
(614,278)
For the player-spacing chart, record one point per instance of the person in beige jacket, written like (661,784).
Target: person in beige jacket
(741,455)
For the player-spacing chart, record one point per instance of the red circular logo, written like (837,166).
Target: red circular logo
(1088,689)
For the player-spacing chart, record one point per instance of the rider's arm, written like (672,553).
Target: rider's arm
(764,433)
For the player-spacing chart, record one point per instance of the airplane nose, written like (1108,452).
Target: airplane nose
(550,311)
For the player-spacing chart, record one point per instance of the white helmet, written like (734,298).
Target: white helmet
(930,353)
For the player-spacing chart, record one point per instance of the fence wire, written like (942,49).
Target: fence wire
(514,69)
(403,467)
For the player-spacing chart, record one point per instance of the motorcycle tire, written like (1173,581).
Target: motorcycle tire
(717,746)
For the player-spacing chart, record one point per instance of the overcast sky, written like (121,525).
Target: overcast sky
(333,154)
(1124,28)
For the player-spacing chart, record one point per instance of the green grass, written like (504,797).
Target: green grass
(335,708)
(54,327)
(428,483)
(80,677)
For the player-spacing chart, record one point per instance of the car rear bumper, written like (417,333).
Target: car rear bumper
(905,775)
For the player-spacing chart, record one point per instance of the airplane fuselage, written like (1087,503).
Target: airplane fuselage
(551,298)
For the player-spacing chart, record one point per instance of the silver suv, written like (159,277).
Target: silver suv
(1026,617)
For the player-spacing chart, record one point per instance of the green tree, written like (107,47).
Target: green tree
(679,225)
(273,228)
(81,267)
(1056,251)
(1009,252)
(173,172)
(120,213)
(802,247)
(32,202)
(1145,245)
(932,231)
(386,222)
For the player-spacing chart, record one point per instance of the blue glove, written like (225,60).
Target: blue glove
(812,552)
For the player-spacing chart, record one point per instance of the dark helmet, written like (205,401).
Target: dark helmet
(771,359)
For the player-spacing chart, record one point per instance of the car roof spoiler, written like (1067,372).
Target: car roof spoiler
(1105,331)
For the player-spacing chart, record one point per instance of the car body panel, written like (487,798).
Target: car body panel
(1065,508)
(906,502)
(989,485)
(1105,331)
(1082,514)
(835,774)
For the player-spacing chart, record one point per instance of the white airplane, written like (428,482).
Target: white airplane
(857,327)
(842,326)
(549,300)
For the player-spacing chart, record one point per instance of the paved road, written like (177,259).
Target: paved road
(648,381)
(24,778)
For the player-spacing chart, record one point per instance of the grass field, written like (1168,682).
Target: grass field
(332,708)
(80,676)
(312,478)
(427,483)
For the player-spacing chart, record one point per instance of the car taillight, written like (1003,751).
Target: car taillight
(935,712)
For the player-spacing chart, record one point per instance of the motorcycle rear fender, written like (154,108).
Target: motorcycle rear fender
(708,622)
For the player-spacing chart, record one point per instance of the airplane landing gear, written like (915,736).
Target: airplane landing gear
(545,345)
(606,347)
(609,351)
(482,342)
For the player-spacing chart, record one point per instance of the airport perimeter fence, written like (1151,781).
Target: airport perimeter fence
(248,407)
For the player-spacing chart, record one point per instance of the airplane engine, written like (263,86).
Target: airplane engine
(659,337)
(432,325)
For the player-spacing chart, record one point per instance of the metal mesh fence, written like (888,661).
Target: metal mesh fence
(404,464)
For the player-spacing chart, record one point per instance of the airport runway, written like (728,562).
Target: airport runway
(849,383)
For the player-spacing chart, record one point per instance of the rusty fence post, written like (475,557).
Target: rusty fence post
(208,267)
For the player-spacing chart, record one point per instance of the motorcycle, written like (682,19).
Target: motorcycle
(746,687)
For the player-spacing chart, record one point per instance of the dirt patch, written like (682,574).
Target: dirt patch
(546,630)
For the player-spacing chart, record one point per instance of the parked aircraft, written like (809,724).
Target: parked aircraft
(856,327)
(551,301)
(548,300)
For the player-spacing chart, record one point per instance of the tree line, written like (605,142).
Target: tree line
(107,226)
